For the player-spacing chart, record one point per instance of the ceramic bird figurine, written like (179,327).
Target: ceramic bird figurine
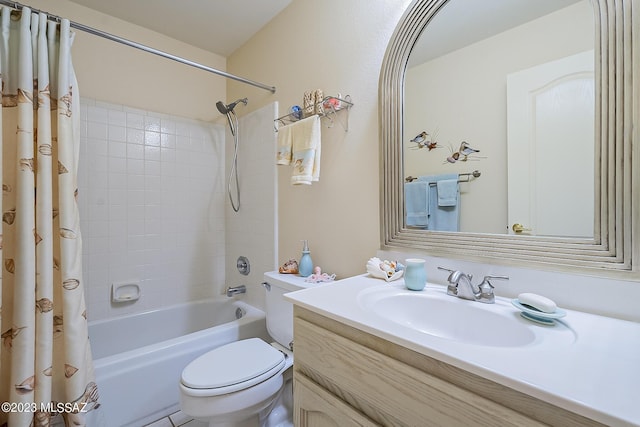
(462,154)
(420,138)
(465,149)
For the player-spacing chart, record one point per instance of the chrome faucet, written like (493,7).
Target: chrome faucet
(231,291)
(460,286)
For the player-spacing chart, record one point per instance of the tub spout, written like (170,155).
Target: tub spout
(231,291)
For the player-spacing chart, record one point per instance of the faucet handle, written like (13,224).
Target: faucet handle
(454,275)
(488,278)
(486,288)
(450,278)
(452,288)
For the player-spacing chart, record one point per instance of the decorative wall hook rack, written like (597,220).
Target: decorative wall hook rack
(329,107)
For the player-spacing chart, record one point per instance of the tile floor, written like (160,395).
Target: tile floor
(178,420)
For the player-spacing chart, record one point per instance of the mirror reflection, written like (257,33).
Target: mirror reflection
(499,119)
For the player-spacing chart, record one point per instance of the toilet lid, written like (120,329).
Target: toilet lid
(231,364)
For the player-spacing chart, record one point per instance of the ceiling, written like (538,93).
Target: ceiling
(222,26)
(463,22)
(218,26)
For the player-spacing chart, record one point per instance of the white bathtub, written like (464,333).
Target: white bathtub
(138,358)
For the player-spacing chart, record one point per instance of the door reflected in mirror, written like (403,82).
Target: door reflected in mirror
(499,120)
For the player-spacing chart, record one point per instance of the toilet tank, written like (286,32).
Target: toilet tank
(279,313)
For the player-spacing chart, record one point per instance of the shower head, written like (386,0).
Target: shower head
(226,109)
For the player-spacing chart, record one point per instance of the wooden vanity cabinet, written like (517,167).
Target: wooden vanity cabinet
(346,377)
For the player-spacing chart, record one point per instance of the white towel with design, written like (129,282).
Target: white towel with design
(306,136)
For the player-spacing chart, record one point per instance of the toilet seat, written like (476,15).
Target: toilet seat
(232,367)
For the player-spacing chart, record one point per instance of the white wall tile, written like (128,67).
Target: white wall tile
(116,117)
(97,114)
(112,164)
(135,120)
(97,130)
(134,225)
(134,135)
(135,151)
(152,123)
(135,166)
(154,206)
(167,126)
(152,137)
(117,147)
(152,152)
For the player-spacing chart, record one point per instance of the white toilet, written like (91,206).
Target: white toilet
(247,383)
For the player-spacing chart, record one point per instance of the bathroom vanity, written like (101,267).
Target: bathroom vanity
(366,355)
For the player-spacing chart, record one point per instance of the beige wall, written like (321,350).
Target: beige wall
(322,45)
(112,72)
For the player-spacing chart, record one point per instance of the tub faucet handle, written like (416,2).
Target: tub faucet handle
(231,291)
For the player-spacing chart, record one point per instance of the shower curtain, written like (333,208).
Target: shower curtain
(45,358)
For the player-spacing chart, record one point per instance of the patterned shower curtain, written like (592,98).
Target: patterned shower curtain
(46,369)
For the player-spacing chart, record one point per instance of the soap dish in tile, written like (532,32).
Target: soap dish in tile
(536,315)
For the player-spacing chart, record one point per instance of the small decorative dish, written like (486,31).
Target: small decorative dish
(387,270)
(536,315)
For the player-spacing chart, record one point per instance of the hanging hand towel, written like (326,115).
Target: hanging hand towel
(447,192)
(417,203)
(285,145)
(442,217)
(306,150)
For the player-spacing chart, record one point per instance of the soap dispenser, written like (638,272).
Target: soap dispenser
(305,268)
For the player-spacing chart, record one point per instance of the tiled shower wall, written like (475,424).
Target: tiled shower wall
(252,231)
(152,206)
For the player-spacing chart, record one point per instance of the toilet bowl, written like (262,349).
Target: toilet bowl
(247,383)
(236,384)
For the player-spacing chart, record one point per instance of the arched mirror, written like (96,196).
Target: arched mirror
(507,132)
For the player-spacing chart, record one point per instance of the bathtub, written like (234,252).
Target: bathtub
(138,358)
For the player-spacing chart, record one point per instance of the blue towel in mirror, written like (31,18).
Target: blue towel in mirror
(416,195)
(442,217)
(447,192)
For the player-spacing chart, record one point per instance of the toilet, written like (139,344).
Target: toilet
(248,383)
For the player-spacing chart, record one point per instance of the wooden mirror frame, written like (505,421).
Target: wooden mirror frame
(613,251)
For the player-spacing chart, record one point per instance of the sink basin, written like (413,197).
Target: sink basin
(434,313)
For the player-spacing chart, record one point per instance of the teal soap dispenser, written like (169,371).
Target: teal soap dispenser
(305,268)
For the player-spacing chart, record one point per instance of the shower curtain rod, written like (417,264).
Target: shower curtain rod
(136,45)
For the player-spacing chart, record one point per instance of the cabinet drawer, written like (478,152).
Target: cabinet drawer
(315,407)
(389,391)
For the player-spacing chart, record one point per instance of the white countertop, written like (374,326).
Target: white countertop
(587,364)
